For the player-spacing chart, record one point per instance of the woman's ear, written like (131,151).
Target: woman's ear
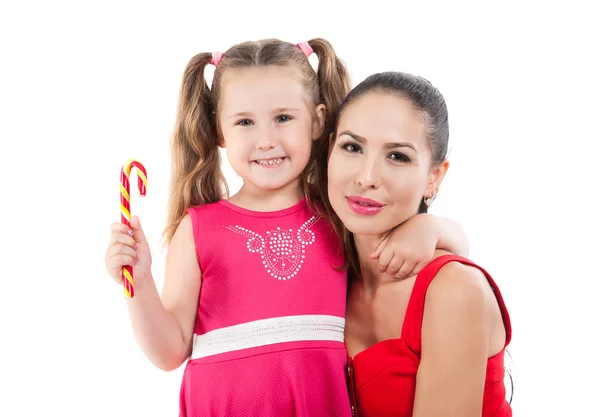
(435,179)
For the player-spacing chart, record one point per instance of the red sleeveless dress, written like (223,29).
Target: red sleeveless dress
(382,378)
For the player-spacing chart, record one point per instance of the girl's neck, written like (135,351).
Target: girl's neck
(253,198)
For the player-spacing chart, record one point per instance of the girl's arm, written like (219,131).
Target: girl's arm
(410,246)
(164,327)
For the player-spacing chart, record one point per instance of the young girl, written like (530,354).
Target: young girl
(254,296)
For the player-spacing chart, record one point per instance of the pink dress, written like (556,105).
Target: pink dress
(269,338)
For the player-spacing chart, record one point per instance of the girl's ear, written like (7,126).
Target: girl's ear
(319,122)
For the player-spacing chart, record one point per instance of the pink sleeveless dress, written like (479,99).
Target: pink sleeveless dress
(269,338)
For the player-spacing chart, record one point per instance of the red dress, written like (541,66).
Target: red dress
(382,378)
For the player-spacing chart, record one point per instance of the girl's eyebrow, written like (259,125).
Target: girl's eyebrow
(239,115)
(249,114)
(286,110)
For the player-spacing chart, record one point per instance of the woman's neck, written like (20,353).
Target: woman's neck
(254,198)
(370,277)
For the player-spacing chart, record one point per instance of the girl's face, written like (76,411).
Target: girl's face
(380,164)
(268,123)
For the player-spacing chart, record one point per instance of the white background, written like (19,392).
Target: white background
(85,86)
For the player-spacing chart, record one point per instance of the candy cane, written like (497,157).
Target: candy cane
(127,273)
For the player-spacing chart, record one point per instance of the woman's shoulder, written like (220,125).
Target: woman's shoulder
(463,298)
(459,281)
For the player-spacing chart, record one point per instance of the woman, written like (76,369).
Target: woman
(409,355)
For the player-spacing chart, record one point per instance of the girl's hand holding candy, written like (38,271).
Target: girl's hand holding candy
(128,247)
(126,237)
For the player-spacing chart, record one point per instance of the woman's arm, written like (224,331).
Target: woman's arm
(455,344)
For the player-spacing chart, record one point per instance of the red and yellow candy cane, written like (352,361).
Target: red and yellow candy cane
(127,273)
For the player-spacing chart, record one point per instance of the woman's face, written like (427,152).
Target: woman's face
(380,164)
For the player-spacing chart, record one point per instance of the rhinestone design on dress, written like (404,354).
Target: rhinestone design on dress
(281,251)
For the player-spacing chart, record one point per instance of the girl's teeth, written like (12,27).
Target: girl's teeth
(270,161)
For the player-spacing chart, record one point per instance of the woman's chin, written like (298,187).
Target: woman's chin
(363,228)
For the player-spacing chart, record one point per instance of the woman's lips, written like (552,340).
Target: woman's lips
(364,206)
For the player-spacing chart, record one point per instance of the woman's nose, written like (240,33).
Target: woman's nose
(368,175)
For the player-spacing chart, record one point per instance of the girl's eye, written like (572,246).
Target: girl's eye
(244,122)
(399,157)
(351,147)
(283,118)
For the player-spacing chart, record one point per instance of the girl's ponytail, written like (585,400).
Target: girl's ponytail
(196,161)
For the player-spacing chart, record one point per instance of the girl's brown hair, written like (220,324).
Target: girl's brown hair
(196,163)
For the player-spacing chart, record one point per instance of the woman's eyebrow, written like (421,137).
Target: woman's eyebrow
(390,145)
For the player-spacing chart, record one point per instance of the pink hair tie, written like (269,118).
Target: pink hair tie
(216,58)
(305,47)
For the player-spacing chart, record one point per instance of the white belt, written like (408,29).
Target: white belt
(268,332)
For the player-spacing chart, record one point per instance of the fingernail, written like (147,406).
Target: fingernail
(137,259)
(134,247)
(130,233)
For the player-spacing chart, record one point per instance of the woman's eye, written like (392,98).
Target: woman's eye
(399,157)
(351,147)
